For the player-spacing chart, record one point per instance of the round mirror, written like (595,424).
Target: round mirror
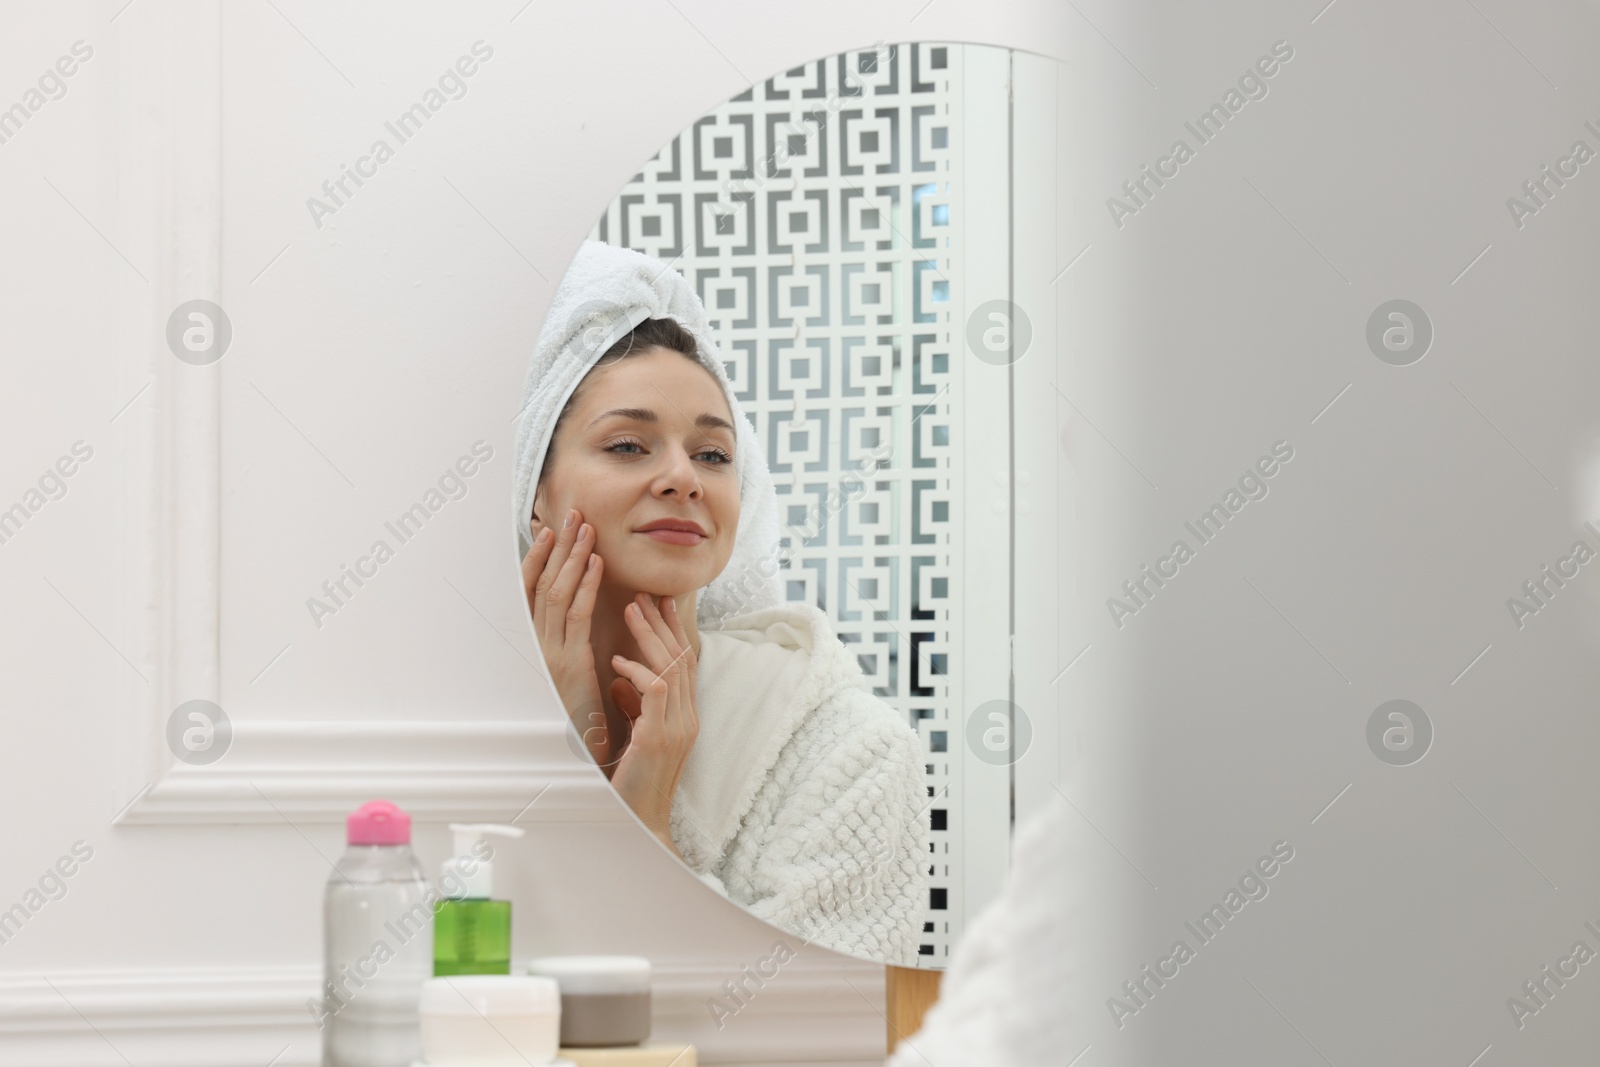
(771,397)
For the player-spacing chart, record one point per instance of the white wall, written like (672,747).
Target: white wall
(369,353)
(1228,314)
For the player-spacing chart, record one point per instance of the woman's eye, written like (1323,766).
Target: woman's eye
(718,456)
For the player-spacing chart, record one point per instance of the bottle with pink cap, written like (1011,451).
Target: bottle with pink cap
(378,944)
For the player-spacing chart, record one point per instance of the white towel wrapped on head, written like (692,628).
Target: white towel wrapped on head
(607,291)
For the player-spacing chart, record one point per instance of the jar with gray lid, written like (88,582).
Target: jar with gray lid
(605,1000)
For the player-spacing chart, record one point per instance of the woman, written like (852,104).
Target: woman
(737,727)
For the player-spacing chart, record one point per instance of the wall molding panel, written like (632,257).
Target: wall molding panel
(319,771)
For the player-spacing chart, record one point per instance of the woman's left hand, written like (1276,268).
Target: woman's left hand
(659,699)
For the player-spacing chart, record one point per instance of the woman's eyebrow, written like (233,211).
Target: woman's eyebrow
(705,422)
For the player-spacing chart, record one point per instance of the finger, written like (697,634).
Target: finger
(580,614)
(680,708)
(682,654)
(665,664)
(533,562)
(671,639)
(652,687)
(652,643)
(542,538)
(652,615)
(676,669)
(688,718)
(558,546)
(675,624)
(626,697)
(559,597)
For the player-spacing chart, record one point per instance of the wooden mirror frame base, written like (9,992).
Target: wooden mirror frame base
(908,993)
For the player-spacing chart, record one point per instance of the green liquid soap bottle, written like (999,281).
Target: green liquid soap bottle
(471,933)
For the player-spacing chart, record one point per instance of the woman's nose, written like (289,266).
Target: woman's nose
(680,475)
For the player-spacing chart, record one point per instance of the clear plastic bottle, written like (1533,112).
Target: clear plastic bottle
(378,944)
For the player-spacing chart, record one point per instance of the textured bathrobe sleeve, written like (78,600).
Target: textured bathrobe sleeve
(1017,991)
(835,846)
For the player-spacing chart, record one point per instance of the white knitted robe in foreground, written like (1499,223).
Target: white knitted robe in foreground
(1015,990)
(804,799)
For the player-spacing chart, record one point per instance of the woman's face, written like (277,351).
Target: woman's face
(650,437)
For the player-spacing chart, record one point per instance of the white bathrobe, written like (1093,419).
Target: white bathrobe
(1017,993)
(804,798)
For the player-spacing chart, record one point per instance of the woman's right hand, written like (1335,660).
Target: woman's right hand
(561,574)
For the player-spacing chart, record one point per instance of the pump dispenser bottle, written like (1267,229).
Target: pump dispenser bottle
(472,933)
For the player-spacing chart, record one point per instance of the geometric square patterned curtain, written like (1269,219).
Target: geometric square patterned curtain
(818,216)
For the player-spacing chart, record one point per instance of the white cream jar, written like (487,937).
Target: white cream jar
(490,1020)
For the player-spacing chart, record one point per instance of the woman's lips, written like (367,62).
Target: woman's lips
(674,537)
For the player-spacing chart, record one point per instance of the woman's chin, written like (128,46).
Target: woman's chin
(665,581)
